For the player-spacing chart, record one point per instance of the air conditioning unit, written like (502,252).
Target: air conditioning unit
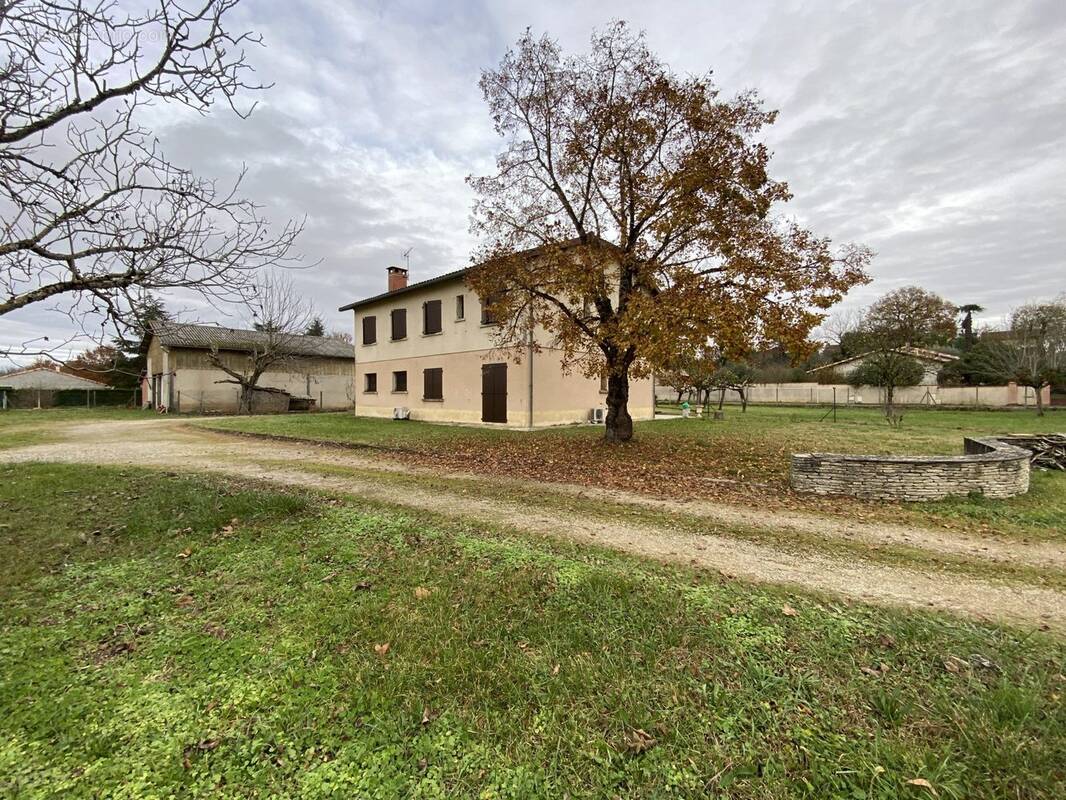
(401,412)
(596,416)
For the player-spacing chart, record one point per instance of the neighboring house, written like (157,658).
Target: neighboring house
(932,362)
(180,375)
(38,387)
(428,347)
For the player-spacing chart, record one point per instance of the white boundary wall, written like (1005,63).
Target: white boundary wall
(798,394)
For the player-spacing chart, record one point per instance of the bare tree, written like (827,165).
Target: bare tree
(279,317)
(92,215)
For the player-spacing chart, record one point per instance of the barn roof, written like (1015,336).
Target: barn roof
(206,337)
(48,378)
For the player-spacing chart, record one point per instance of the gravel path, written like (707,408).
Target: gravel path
(175,444)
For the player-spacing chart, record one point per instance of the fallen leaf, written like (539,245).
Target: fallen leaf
(555,670)
(421,593)
(427,716)
(184,553)
(381,649)
(640,741)
(923,783)
(789,611)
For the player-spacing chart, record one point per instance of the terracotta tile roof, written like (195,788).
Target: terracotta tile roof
(447,276)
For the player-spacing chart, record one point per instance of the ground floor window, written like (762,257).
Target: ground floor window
(399,381)
(434,380)
(370,383)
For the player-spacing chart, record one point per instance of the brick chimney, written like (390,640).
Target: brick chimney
(397,278)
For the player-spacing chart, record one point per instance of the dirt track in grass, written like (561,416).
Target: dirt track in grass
(176,444)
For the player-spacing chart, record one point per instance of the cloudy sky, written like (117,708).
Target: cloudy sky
(935,133)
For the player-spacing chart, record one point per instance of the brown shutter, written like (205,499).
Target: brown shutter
(399,323)
(431,322)
(370,330)
(433,384)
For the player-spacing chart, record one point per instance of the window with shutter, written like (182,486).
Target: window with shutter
(370,330)
(370,382)
(399,323)
(487,317)
(433,380)
(399,381)
(431,317)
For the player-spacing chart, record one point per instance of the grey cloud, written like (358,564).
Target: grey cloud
(932,131)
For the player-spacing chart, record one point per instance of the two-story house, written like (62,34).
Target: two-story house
(428,347)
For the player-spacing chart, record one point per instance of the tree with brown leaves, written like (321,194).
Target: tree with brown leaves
(912,316)
(647,198)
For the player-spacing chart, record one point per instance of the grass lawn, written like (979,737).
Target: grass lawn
(743,458)
(165,636)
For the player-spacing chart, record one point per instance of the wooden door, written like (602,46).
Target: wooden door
(494,393)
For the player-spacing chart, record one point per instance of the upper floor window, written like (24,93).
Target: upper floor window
(433,380)
(370,330)
(460,306)
(431,317)
(399,381)
(487,317)
(399,323)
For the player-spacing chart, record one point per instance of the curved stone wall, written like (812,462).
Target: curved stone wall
(989,467)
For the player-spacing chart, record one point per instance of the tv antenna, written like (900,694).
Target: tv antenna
(406,255)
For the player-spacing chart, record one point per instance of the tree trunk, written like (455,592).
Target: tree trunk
(743,400)
(619,425)
(1039,401)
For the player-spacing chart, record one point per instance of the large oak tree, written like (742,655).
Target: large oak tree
(647,197)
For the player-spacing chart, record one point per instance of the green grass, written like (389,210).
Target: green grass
(151,646)
(670,457)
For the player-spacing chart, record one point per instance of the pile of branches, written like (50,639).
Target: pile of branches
(1048,449)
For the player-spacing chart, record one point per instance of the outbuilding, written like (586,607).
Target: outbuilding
(182,374)
(44,387)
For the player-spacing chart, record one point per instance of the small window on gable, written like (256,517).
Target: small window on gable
(370,382)
(431,317)
(399,381)
(370,330)
(603,383)
(433,388)
(398,316)
(460,306)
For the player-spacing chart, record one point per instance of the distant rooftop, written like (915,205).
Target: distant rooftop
(919,353)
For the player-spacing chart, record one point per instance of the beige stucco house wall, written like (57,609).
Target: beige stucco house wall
(183,379)
(539,391)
